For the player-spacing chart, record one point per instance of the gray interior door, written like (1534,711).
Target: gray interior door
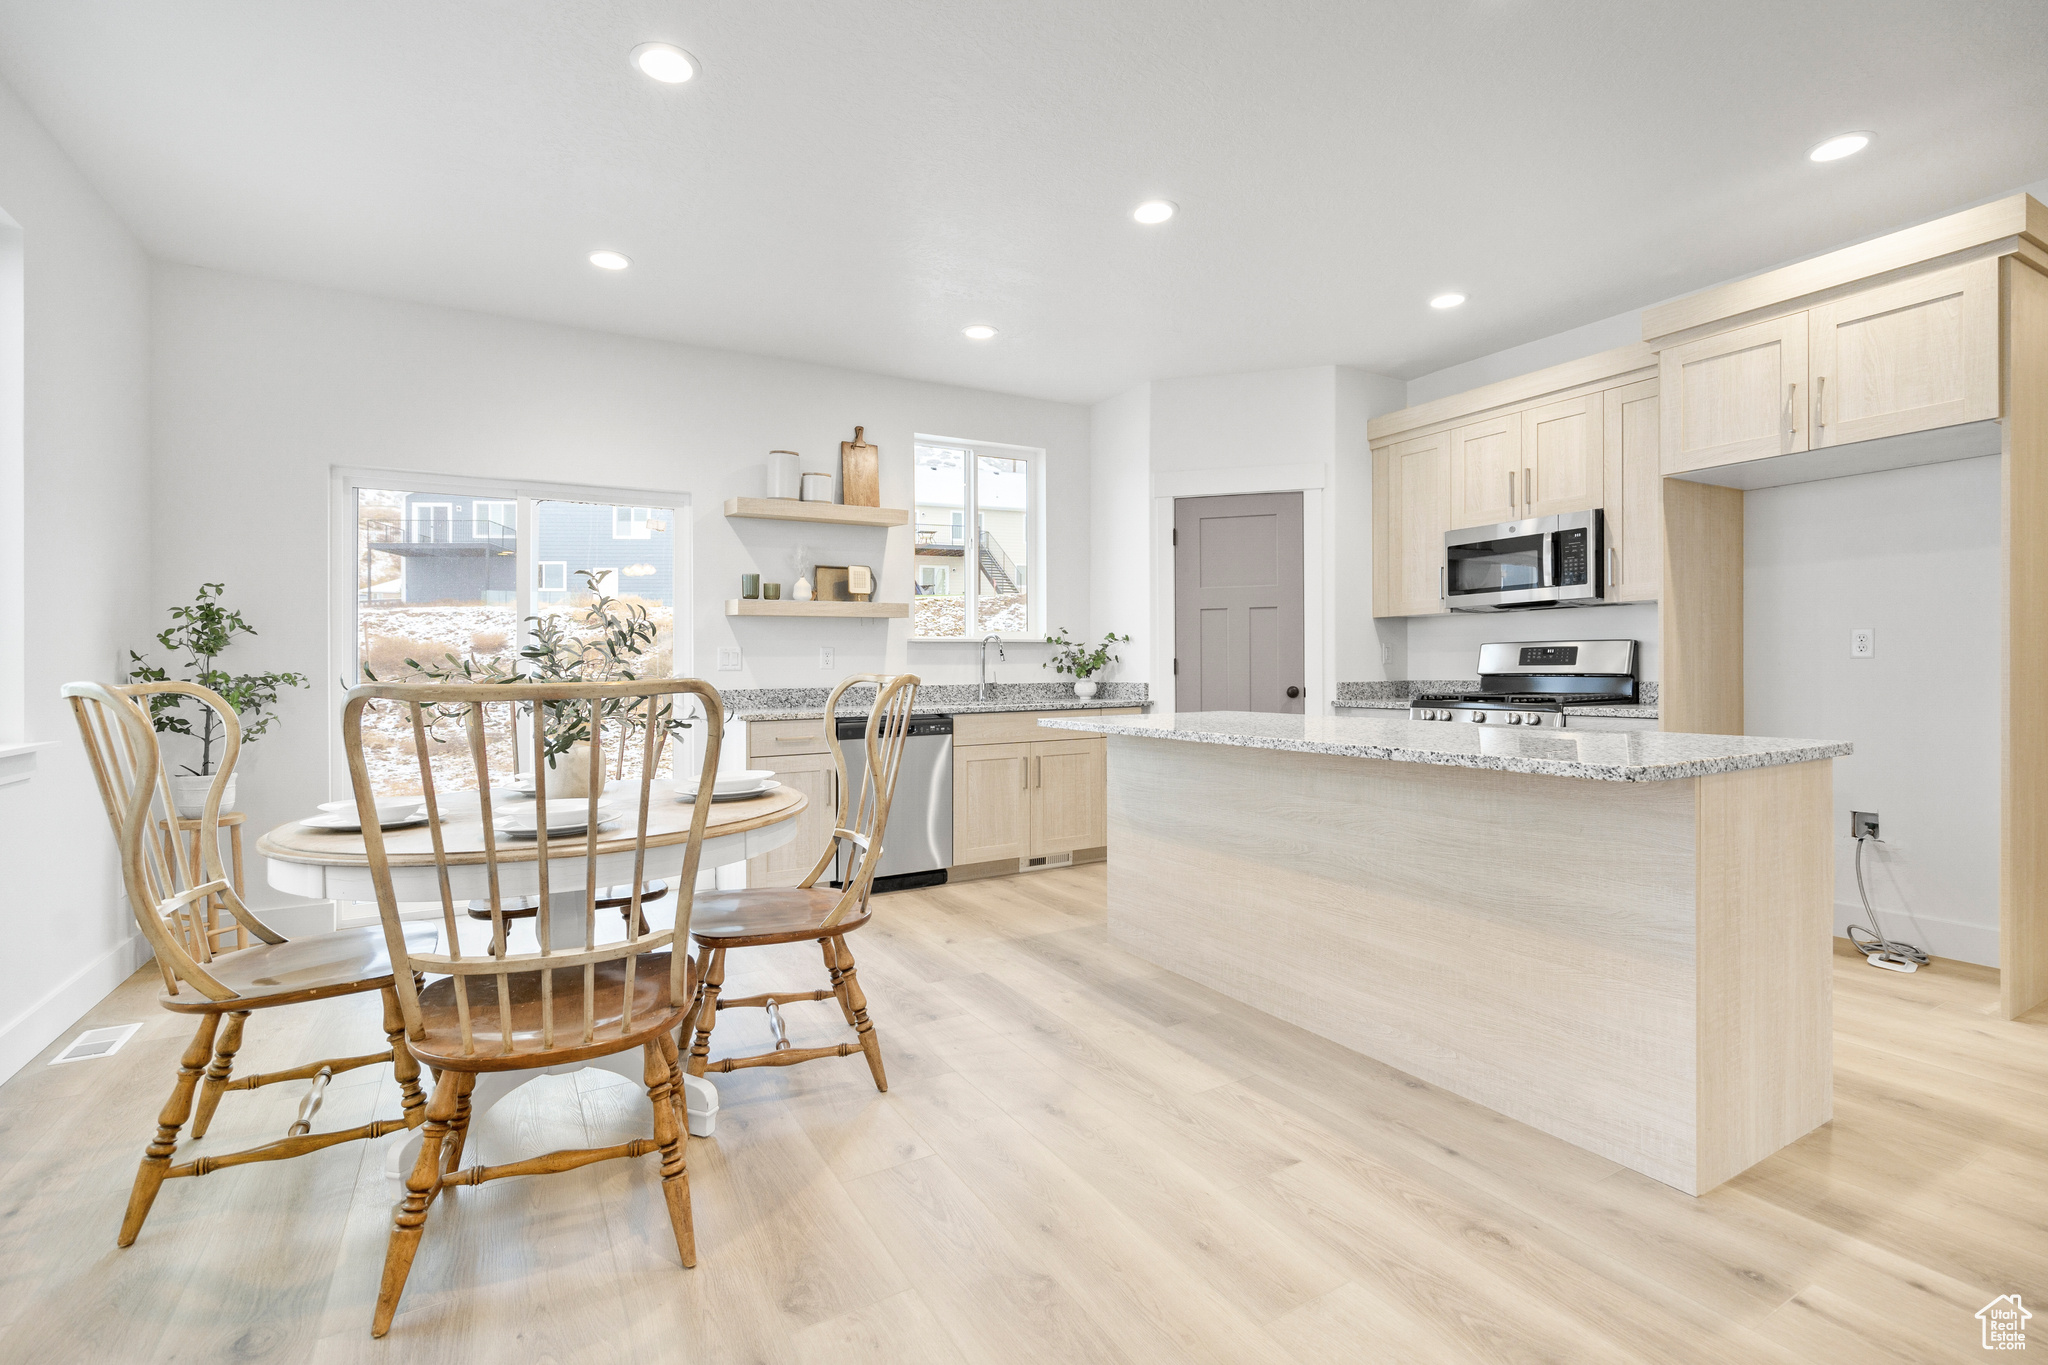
(1237,605)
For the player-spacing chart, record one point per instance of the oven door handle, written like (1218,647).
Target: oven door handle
(1550,559)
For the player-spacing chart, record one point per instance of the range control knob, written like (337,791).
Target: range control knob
(1532,718)
(1479,717)
(1515,718)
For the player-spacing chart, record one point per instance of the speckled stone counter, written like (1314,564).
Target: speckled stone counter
(1639,964)
(1398,696)
(1651,756)
(933,699)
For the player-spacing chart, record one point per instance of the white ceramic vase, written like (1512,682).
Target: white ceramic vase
(1086,687)
(802,591)
(570,775)
(188,794)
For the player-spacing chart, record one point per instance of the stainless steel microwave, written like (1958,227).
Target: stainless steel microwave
(1553,561)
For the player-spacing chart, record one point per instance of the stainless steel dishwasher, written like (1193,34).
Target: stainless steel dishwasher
(917,847)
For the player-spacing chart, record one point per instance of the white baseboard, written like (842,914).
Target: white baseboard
(42,1023)
(1940,937)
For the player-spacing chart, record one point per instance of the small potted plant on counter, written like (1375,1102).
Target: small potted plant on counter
(1083,663)
(202,632)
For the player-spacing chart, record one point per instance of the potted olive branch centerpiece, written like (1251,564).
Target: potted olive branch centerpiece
(617,649)
(202,632)
(1083,663)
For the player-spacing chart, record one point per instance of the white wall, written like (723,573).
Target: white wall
(1913,553)
(262,388)
(1447,647)
(69,935)
(1120,441)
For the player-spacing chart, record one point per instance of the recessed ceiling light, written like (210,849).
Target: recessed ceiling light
(1447,300)
(1839,146)
(664,62)
(608,260)
(1154,211)
(978,332)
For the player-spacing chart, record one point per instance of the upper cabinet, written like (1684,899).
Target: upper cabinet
(1567,439)
(1563,456)
(1910,356)
(1734,396)
(1635,494)
(1411,512)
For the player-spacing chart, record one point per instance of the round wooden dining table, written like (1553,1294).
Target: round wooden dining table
(333,865)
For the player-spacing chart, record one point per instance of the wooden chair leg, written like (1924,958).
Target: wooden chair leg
(458,1127)
(711,975)
(838,977)
(420,1188)
(679,1098)
(858,1002)
(216,1083)
(156,1158)
(404,1066)
(662,1083)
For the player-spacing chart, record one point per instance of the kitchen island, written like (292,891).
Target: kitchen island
(1619,939)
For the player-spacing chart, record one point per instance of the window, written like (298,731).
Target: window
(433,523)
(604,582)
(978,581)
(454,570)
(493,520)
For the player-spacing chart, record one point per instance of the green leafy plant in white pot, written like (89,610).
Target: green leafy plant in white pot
(1083,663)
(202,632)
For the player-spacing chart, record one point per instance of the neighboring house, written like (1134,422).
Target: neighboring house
(464,549)
(943,545)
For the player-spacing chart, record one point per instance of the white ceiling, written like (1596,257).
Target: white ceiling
(854,182)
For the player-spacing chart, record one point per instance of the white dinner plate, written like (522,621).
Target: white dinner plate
(529,832)
(567,818)
(688,799)
(751,782)
(347,822)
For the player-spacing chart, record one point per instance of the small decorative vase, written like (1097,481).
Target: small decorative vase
(802,590)
(1086,687)
(750,585)
(570,775)
(188,794)
(771,592)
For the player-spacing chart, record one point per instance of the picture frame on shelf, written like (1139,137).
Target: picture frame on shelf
(843,583)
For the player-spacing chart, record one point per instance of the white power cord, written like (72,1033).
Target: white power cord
(1879,951)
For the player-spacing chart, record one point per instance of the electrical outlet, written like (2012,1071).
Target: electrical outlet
(728,661)
(1862,643)
(1861,823)
(824,656)
(1386,654)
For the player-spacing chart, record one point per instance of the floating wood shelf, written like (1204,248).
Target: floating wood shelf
(833,513)
(747,606)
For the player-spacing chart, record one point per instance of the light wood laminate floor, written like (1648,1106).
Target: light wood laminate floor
(1083,1158)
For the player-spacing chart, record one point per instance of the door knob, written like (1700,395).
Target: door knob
(1293,691)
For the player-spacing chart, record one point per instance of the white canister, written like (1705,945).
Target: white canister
(818,488)
(785,474)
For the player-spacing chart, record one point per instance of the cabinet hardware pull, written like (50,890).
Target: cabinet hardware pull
(1792,408)
(1528,488)
(1038,771)
(1612,566)
(1511,490)
(1024,774)
(1442,593)
(796,739)
(1820,411)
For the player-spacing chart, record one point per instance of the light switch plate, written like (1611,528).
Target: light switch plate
(728,661)
(1862,643)
(824,656)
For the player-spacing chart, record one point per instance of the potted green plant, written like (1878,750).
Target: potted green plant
(1081,662)
(202,632)
(617,642)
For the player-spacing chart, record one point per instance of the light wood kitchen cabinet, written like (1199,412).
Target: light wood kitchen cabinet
(1014,801)
(1069,796)
(1486,473)
(1740,395)
(991,802)
(1635,494)
(1564,466)
(817,777)
(1910,356)
(1413,500)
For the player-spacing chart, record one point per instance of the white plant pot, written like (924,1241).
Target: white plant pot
(188,794)
(1086,687)
(570,776)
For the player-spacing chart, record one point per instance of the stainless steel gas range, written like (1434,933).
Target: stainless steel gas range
(1538,682)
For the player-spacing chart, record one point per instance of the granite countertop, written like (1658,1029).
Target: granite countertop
(1651,756)
(934,699)
(1401,704)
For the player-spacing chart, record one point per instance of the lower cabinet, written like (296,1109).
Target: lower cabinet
(817,778)
(1013,801)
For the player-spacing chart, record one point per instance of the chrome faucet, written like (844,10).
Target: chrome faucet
(986,641)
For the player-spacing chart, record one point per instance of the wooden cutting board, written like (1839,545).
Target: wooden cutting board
(860,472)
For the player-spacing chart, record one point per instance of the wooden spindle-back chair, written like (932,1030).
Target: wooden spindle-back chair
(494,1009)
(807,911)
(170,894)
